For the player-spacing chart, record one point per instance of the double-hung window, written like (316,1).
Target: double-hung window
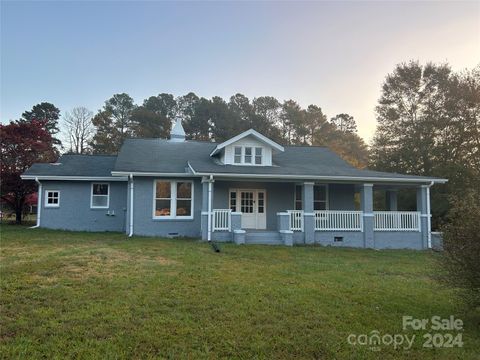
(52,198)
(319,197)
(173,199)
(238,155)
(248,155)
(258,155)
(100,196)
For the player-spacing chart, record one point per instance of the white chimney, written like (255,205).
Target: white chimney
(178,133)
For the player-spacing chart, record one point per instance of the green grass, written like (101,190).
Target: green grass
(101,295)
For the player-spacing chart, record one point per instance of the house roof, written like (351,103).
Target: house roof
(155,157)
(250,132)
(74,166)
(163,157)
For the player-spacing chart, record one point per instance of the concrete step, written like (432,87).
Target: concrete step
(263,238)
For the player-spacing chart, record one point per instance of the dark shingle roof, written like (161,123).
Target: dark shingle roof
(75,165)
(166,157)
(297,160)
(155,155)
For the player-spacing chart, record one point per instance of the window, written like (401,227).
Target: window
(184,199)
(319,197)
(261,202)
(248,155)
(246,202)
(173,199)
(258,156)
(298,197)
(233,201)
(52,198)
(100,196)
(238,155)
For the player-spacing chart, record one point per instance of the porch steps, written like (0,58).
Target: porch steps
(263,238)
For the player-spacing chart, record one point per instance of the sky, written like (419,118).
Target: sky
(332,54)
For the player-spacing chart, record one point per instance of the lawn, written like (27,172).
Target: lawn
(102,295)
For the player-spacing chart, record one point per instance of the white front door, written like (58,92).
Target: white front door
(252,205)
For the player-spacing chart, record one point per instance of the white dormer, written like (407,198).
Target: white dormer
(249,148)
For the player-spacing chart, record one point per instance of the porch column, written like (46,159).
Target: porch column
(392,202)
(308,214)
(423,206)
(204,220)
(366,202)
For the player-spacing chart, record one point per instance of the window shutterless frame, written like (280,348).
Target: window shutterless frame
(54,196)
(99,195)
(326,201)
(173,200)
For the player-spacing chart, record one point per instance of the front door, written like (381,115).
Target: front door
(252,205)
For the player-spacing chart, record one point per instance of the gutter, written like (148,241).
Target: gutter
(322,177)
(130,233)
(39,203)
(209,222)
(73,178)
(429,217)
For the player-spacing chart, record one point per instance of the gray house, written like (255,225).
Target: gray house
(248,189)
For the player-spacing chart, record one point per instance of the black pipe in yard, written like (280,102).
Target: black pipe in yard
(215,246)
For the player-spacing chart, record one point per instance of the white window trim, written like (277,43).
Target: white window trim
(242,155)
(91,196)
(327,195)
(173,200)
(46,199)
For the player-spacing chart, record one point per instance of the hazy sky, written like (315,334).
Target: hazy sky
(333,54)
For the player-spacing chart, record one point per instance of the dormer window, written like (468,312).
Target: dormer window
(248,148)
(258,155)
(238,155)
(248,155)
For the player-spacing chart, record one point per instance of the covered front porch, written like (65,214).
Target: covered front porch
(311,212)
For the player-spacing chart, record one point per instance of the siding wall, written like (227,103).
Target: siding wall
(74,212)
(143,222)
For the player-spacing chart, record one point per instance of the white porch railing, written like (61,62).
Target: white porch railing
(396,221)
(296,220)
(221,220)
(338,220)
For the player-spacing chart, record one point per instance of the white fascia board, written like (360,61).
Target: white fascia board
(73,178)
(127,173)
(249,132)
(313,177)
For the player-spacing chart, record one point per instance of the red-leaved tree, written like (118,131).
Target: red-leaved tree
(22,143)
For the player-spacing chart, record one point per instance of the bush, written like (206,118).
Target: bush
(460,260)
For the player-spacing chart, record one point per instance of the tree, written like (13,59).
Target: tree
(459,264)
(267,110)
(315,122)
(22,144)
(113,124)
(221,124)
(79,127)
(149,124)
(49,115)
(162,104)
(197,123)
(429,124)
(290,119)
(345,123)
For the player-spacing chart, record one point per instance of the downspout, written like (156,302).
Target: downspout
(130,232)
(209,222)
(429,218)
(39,203)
